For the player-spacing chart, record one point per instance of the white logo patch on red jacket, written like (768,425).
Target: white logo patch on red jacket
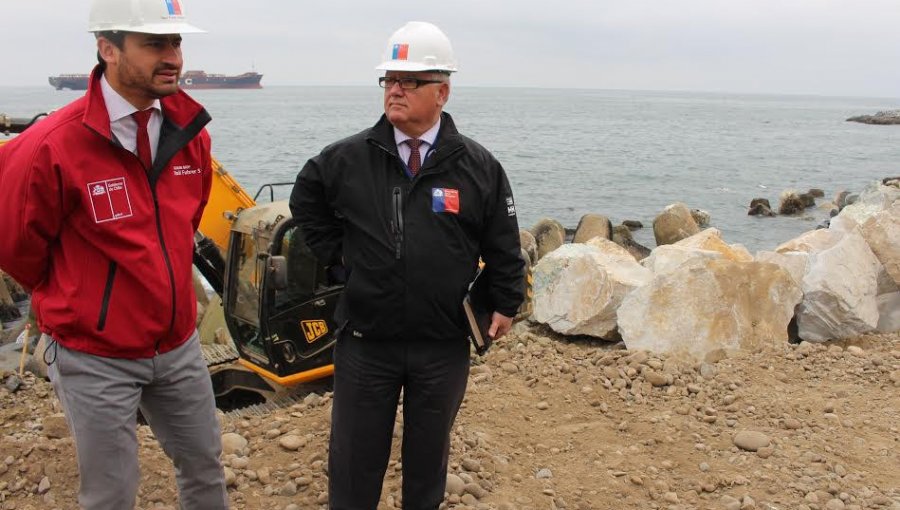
(109,200)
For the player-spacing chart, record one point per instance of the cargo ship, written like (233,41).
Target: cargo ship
(189,80)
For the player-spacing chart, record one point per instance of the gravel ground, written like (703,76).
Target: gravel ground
(556,423)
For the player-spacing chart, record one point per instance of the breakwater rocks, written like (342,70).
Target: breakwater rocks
(884,118)
(697,295)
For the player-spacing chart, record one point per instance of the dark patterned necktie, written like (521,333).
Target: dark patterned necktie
(415,160)
(143,137)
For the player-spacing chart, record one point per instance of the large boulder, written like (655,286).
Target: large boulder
(578,287)
(882,232)
(621,235)
(674,224)
(701,217)
(811,241)
(549,234)
(760,207)
(669,257)
(796,263)
(529,246)
(591,226)
(874,199)
(888,312)
(711,239)
(711,306)
(790,203)
(839,291)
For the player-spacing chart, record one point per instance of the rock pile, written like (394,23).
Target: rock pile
(695,294)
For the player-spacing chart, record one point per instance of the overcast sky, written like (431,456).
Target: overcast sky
(823,47)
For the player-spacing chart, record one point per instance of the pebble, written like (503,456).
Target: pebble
(475,490)
(233,443)
(730,503)
(707,370)
(230,477)
(792,424)
(291,442)
(44,486)
(471,465)
(856,351)
(542,405)
(751,440)
(288,489)
(656,379)
(455,485)
(509,368)
(544,474)
(765,452)
(835,504)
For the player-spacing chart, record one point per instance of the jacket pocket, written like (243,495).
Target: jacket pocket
(107,291)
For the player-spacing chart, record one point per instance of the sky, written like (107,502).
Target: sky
(816,47)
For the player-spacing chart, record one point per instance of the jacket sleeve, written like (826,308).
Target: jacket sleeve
(32,209)
(206,166)
(309,203)
(500,248)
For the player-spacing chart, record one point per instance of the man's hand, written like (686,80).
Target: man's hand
(500,325)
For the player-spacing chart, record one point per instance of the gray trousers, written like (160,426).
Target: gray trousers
(101,397)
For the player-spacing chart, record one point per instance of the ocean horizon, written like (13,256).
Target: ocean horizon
(625,154)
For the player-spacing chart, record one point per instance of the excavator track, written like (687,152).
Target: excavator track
(263,409)
(217,354)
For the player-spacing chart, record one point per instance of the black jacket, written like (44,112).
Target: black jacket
(409,266)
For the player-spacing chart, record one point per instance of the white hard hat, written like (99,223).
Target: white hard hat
(418,46)
(144,16)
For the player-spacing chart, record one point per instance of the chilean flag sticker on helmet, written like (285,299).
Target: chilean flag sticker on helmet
(174,7)
(445,200)
(400,52)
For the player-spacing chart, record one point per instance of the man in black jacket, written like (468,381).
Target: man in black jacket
(407,207)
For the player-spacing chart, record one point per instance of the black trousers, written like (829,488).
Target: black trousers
(368,377)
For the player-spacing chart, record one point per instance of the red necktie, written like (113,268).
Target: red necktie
(142,117)
(415,160)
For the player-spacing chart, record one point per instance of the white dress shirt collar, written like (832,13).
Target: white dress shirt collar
(123,125)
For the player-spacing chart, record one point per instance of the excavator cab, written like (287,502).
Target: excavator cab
(278,301)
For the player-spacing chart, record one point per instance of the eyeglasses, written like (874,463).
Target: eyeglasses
(387,82)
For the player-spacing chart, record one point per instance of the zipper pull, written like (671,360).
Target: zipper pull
(397,223)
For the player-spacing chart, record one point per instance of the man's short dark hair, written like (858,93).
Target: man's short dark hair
(114,36)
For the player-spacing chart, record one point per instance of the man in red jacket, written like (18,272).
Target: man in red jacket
(100,204)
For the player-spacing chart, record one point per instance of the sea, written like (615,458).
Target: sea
(569,152)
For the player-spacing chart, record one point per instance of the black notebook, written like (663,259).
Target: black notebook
(478,309)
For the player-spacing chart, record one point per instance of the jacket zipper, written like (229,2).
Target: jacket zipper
(165,252)
(107,292)
(397,223)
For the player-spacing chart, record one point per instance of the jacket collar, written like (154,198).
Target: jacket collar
(447,141)
(179,108)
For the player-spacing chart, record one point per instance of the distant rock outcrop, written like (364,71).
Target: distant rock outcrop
(881,118)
